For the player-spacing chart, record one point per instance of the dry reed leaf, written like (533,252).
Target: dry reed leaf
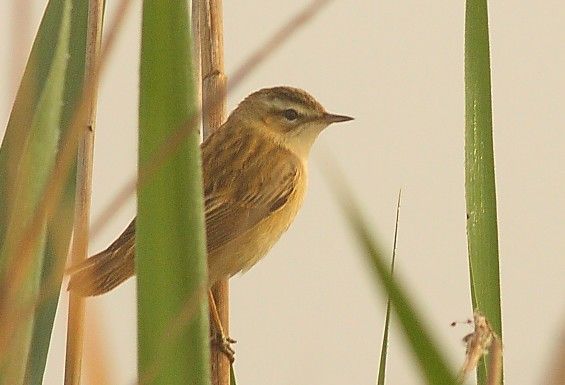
(481,341)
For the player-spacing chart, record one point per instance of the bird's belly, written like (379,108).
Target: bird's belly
(245,251)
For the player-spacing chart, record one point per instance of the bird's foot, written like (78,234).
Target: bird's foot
(223,343)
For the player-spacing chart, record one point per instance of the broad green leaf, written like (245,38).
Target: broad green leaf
(432,363)
(173,337)
(482,232)
(27,157)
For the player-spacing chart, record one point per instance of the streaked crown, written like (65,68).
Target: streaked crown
(289,115)
(279,99)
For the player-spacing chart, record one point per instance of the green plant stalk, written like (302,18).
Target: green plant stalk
(384,348)
(232,376)
(431,361)
(59,229)
(482,232)
(384,344)
(58,237)
(173,338)
(26,158)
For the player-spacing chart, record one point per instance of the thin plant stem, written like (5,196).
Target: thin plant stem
(384,344)
(214,83)
(79,250)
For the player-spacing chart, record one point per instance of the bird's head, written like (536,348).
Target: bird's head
(289,116)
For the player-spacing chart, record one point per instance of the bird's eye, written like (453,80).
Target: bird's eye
(290,114)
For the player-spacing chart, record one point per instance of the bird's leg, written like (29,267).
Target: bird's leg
(219,337)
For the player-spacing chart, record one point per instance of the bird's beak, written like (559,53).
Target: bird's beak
(332,118)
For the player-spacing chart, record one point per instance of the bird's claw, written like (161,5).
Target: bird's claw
(224,345)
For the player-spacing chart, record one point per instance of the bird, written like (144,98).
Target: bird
(254,180)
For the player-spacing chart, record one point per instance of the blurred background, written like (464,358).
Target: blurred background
(310,312)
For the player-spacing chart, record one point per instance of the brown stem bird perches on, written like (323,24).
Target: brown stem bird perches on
(255,177)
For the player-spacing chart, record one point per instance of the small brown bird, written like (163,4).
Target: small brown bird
(255,177)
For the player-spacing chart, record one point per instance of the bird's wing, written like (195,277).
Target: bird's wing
(231,209)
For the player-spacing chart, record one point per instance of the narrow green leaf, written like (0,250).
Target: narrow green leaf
(384,343)
(27,158)
(59,229)
(232,376)
(384,348)
(170,238)
(431,361)
(58,236)
(482,232)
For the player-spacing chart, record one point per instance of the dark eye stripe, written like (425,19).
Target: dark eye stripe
(290,114)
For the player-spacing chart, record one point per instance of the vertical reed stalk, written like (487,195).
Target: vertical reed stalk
(213,114)
(75,325)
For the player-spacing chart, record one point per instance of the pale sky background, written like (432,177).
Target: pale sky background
(309,313)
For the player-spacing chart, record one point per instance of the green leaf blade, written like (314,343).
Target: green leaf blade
(170,236)
(433,365)
(40,115)
(384,344)
(59,229)
(480,188)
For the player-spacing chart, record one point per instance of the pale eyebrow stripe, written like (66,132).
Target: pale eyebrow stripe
(281,105)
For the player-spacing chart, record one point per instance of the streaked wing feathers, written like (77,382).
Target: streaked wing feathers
(248,194)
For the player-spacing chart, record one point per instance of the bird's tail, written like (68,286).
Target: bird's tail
(107,269)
